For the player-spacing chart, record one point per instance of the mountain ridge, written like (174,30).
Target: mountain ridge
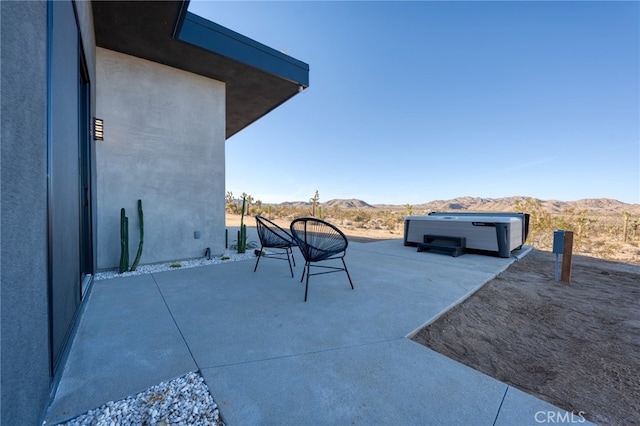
(469,203)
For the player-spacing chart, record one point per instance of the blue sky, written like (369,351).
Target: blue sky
(411,102)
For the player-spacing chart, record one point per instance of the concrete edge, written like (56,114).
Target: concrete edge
(514,258)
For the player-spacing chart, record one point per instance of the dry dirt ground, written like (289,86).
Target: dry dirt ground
(575,345)
(360,235)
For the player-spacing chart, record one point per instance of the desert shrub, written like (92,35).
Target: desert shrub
(598,235)
(361,216)
(391,223)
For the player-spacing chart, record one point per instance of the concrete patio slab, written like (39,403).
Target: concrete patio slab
(262,315)
(391,382)
(270,358)
(126,342)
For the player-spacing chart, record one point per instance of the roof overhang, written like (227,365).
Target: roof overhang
(258,78)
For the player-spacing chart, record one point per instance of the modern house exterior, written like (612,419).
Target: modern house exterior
(169,88)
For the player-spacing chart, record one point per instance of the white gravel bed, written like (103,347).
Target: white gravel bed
(184,401)
(161,267)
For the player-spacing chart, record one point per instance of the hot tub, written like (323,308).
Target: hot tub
(498,233)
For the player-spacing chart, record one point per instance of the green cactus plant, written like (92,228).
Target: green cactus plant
(242,233)
(141,243)
(241,244)
(124,242)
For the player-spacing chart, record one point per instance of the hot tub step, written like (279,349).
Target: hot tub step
(454,246)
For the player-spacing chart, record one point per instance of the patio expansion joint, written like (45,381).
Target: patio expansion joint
(164,300)
(500,406)
(338,348)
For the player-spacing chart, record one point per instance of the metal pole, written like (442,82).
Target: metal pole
(558,248)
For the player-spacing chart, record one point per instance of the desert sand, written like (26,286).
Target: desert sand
(353,233)
(573,344)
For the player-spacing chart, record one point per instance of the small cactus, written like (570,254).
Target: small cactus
(242,233)
(124,242)
(141,243)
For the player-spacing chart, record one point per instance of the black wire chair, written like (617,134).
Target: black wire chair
(319,241)
(274,237)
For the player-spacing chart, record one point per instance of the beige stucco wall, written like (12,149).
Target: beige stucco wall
(164,144)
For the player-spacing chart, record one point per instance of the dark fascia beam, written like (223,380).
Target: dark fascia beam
(223,41)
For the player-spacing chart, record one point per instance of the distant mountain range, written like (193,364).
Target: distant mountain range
(595,205)
(351,203)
